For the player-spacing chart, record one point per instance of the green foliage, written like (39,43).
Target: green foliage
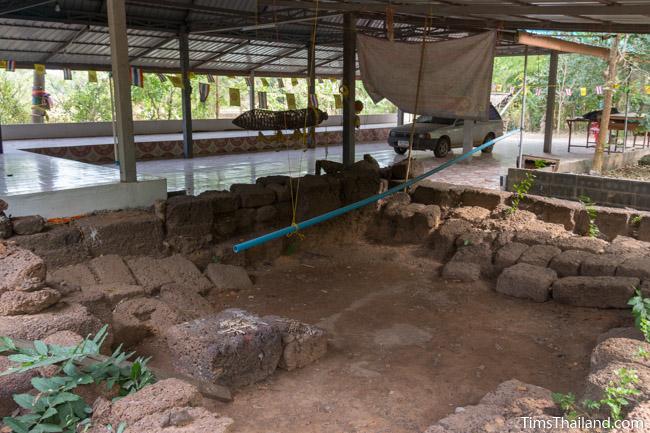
(616,397)
(540,163)
(641,312)
(521,189)
(55,407)
(593,230)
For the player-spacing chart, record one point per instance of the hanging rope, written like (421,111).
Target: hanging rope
(310,105)
(417,94)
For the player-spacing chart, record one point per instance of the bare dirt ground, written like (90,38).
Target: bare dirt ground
(634,172)
(406,347)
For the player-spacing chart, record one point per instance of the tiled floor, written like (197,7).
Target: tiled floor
(25,172)
(219,172)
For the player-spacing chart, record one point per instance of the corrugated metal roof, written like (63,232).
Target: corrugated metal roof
(221,39)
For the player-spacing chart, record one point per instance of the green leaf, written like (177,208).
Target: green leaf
(22,359)
(49,385)
(47,428)
(50,412)
(15,425)
(64,397)
(26,401)
(6,344)
(41,348)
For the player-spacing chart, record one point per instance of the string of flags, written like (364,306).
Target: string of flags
(568,91)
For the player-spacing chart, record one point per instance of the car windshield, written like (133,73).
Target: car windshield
(430,119)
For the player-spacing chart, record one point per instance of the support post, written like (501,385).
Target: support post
(186,94)
(522,122)
(349,72)
(251,91)
(400,117)
(550,103)
(216,97)
(311,88)
(120,66)
(603,135)
(468,136)
(38,88)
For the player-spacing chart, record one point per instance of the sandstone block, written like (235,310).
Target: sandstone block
(526,281)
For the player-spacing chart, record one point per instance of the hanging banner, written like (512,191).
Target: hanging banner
(162,77)
(647,90)
(204,92)
(338,101)
(455,81)
(176,81)
(137,77)
(67,74)
(211,78)
(235,97)
(583,91)
(262,100)
(320,81)
(538,91)
(568,91)
(280,83)
(92,76)
(291,101)
(294,82)
(498,88)
(39,69)
(265,82)
(599,90)
(11,66)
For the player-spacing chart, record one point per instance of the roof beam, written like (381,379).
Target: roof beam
(65,45)
(147,51)
(470,9)
(217,56)
(265,25)
(17,6)
(286,53)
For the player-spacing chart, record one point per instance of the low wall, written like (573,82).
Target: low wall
(606,191)
(611,161)
(149,150)
(147,127)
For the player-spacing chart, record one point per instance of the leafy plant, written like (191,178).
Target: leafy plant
(617,395)
(540,163)
(521,189)
(641,312)
(636,220)
(55,407)
(593,230)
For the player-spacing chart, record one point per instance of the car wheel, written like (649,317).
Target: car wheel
(442,147)
(400,150)
(487,138)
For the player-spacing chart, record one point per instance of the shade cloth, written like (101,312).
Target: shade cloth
(456,74)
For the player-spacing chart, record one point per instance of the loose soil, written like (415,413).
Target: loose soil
(406,347)
(634,172)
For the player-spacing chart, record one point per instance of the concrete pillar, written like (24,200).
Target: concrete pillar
(120,66)
(349,75)
(550,103)
(251,91)
(186,95)
(38,87)
(400,117)
(311,88)
(468,136)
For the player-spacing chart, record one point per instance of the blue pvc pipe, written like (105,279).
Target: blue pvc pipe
(366,201)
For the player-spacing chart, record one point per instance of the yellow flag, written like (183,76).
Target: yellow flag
(176,81)
(583,91)
(499,87)
(647,90)
(92,76)
(265,82)
(338,102)
(235,97)
(3,64)
(190,75)
(291,101)
(40,69)
(616,86)
(294,81)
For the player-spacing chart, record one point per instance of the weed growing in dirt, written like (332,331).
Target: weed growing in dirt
(617,395)
(54,406)
(641,312)
(540,163)
(521,189)
(636,220)
(593,230)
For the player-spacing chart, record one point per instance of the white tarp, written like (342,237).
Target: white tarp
(456,74)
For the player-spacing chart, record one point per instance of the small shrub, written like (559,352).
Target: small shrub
(540,163)
(593,230)
(521,189)
(54,407)
(641,312)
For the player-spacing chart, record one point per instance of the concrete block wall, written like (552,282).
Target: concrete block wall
(604,191)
